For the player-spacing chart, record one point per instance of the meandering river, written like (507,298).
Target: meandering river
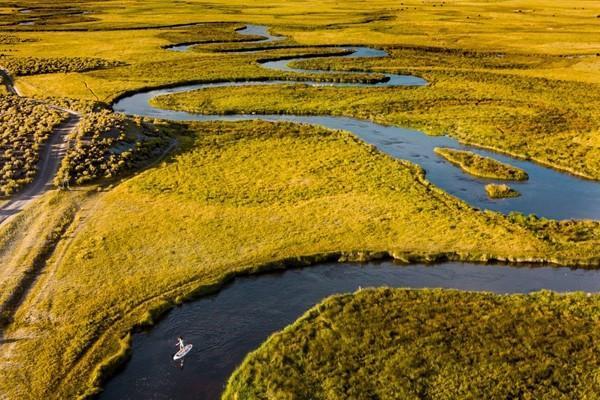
(548,192)
(225,327)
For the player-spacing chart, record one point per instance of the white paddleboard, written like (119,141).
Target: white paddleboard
(181,353)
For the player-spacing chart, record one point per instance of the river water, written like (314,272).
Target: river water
(225,327)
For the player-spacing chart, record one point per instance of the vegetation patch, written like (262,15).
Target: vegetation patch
(12,39)
(495,191)
(207,33)
(25,125)
(559,231)
(107,144)
(481,166)
(35,14)
(22,66)
(27,241)
(430,344)
(491,104)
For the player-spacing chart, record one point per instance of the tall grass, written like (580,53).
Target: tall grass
(433,344)
(237,197)
(500,191)
(481,166)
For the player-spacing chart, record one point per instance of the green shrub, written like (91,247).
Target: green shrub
(500,191)
(22,66)
(25,125)
(107,144)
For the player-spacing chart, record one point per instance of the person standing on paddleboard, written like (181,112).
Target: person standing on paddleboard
(183,349)
(180,343)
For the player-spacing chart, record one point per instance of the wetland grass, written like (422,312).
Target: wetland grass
(502,191)
(483,167)
(533,97)
(239,197)
(434,344)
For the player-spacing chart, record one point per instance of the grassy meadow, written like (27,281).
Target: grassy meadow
(519,76)
(430,344)
(25,242)
(239,196)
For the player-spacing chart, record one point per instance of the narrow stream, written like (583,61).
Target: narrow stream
(548,192)
(250,30)
(225,327)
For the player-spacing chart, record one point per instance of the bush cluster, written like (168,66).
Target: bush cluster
(500,191)
(12,39)
(106,144)
(22,66)
(24,127)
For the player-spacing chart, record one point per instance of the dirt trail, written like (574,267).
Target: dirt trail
(54,151)
(50,159)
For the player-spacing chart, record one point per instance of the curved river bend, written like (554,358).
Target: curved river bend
(548,193)
(226,326)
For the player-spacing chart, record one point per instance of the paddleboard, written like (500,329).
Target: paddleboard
(181,353)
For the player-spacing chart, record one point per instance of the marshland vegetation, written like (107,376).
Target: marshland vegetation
(39,14)
(554,123)
(481,166)
(533,96)
(519,77)
(501,191)
(434,344)
(239,196)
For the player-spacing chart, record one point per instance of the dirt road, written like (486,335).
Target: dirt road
(50,159)
(53,153)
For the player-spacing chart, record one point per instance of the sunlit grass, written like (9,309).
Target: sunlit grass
(519,76)
(434,344)
(238,195)
(500,191)
(476,108)
(481,166)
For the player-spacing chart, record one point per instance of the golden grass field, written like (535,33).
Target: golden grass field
(238,197)
(433,344)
